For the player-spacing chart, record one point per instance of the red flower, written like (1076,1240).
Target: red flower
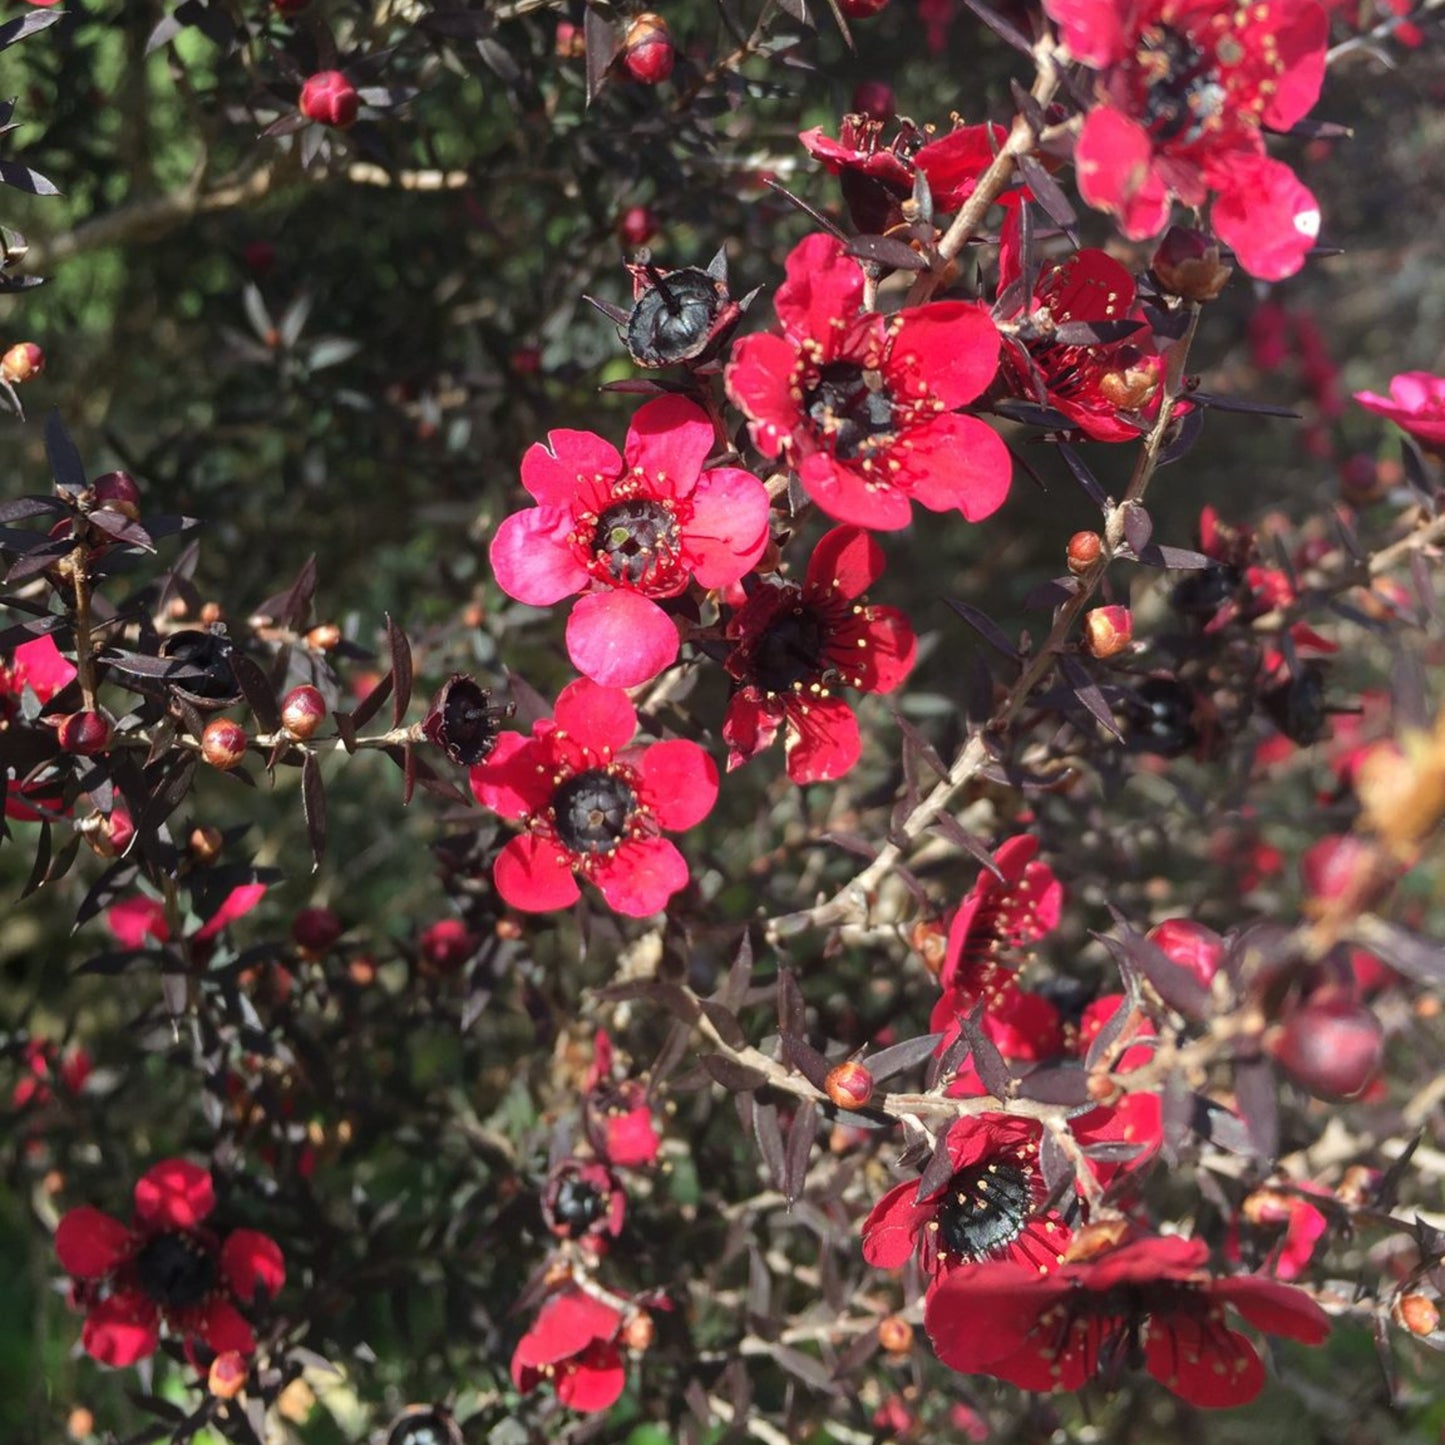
(1106,388)
(165,1268)
(330,98)
(594,805)
(1290,1216)
(1148,1302)
(1185,89)
(133,920)
(988,1208)
(792,647)
(45,1067)
(573,1342)
(626,530)
(583,1199)
(38,667)
(617,1113)
(1416,403)
(861,406)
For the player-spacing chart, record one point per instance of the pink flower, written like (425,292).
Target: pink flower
(862,407)
(592,803)
(1416,403)
(133,920)
(166,1267)
(1185,90)
(625,530)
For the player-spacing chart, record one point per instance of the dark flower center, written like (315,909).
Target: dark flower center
(176,1271)
(579,1205)
(592,811)
(984,1209)
(1183,87)
(791,650)
(849,407)
(632,538)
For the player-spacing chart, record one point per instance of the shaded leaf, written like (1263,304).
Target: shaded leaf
(799,1148)
(893,1060)
(735,1077)
(313,804)
(401,670)
(985,627)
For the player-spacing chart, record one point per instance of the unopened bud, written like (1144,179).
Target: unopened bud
(324,636)
(117,492)
(1187,264)
(895,1335)
(303,710)
(849,1085)
(228,1375)
(315,930)
(23,362)
(1331,1044)
(329,98)
(211,613)
(223,743)
(647,51)
(85,733)
(206,843)
(1108,631)
(638,1332)
(929,940)
(1085,548)
(1418,1313)
(636,226)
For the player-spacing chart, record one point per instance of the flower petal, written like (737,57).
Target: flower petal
(601,719)
(594,1382)
(846,562)
(223,1327)
(566,1324)
(888,652)
(532,558)
(729,527)
(960,463)
(1278,1309)
(535,875)
(1114,161)
(237,903)
(619,639)
(1266,215)
(1092,29)
(759,382)
(641,876)
(847,495)
(509,782)
(552,473)
(891,1230)
(749,726)
(824,285)
(670,438)
(822,741)
(681,783)
(90,1243)
(252,1261)
(121,1330)
(1213,1367)
(133,920)
(39,666)
(950,346)
(174,1194)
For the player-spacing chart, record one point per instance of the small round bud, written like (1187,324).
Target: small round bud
(1085,548)
(1191,945)
(570,43)
(1187,264)
(445,947)
(329,98)
(206,843)
(228,1373)
(849,1085)
(1418,1313)
(895,1335)
(638,1332)
(874,98)
(1331,1045)
(315,929)
(928,938)
(361,971)
(117,492)
(84,733)
(303,710)
(210,613)
(1129,387)
(324,636)
(647,50)
(637,225)
(21,363)
(1108,631)
(224,743)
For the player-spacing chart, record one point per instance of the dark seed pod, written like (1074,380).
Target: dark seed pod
(673,317)
(462,721)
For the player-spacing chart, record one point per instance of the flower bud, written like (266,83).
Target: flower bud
(1187,264)
(445,947)
(1331,1045)
(315,930)
(1108,631)
(1085,548)
(849,1085)
(647,50)
(228,1375)
(929,940)
(1417,1313)
(329,98)
(1191,945)
(1129,387)
(569,43)
(117,492)
(638,1332)
(303,710)
(636,226)
(874,98)
(223,743)
(84,733)
(23,362)
(324,637)
(895,1335)
(206,843)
